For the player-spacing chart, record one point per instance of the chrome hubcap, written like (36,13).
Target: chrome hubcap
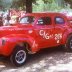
(20,57)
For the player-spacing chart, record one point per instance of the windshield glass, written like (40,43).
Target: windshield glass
(27,20)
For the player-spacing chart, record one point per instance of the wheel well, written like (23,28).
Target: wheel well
(26,47)
(69,35)
(65,37)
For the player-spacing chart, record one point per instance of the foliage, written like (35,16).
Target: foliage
(1,4)
(46,5)
(18,4)
(38,5)
(22,3)
(5,4)
(47,1)
(68,2)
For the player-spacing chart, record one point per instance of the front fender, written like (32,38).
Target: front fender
(12,40)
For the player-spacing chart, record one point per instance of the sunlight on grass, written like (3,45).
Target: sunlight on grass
(2,66)
(10,70)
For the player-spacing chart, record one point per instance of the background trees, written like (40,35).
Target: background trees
(69,2)
(36,5)
(41,5)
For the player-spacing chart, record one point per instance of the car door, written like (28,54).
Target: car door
(44,31)
(60,27)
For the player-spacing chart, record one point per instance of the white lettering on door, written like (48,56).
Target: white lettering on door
(44,34)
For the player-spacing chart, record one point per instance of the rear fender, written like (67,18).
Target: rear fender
(65,36)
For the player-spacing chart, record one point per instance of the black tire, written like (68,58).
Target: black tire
(19,56)
(68,45)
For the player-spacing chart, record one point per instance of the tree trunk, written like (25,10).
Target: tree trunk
(28,6)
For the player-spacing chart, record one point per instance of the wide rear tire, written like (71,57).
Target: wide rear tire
(68,45)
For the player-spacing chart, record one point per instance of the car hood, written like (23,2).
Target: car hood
(17,29)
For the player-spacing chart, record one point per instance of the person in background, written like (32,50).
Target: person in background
(6,20)
(14,19)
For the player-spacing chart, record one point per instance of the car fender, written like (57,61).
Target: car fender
(66,35)
(16,39)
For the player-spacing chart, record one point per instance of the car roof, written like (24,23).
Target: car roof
(44,14)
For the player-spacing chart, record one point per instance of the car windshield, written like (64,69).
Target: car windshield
(27,20)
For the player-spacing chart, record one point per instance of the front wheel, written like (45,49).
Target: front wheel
(19,56)
(68,45)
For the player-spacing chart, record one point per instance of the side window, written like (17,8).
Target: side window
(44,21)
(27,19)
(59,20)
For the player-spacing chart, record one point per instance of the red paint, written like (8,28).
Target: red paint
(37,36)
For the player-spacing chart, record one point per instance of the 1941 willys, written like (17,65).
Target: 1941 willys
(35,32)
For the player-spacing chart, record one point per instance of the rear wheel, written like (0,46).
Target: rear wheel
(19,56)
(68,45)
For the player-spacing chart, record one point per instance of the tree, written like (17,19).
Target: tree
(47,6)
(29,6)
(68,2)
(18,3)
(1,6)
(5,4)
(27,3)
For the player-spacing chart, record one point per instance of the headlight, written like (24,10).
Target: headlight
(3,41)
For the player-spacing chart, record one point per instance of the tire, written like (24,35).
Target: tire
(19,56)
(68,45)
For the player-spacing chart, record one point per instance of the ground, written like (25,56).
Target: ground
(48,60)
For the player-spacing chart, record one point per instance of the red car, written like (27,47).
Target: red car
(35,32)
